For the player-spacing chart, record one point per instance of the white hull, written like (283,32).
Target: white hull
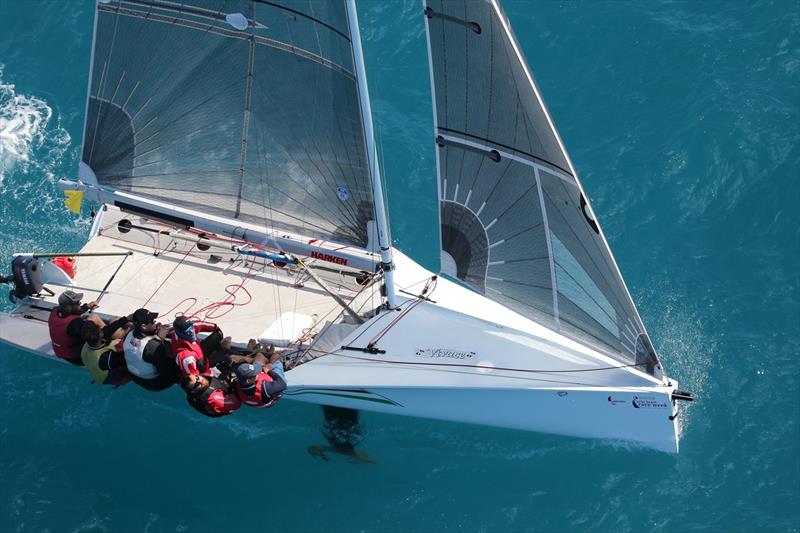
(459,357)
(571,411)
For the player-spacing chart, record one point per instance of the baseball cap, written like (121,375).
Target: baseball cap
(70,297)
(143,316)
(182,323)
(246,371)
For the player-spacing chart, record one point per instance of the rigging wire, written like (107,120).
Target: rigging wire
(169,275)
(428,289)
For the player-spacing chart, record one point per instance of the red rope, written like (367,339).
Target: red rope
(209,312)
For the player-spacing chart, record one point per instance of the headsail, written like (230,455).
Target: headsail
(515,224)
(242,109)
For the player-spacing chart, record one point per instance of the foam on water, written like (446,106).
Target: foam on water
(35,151)
(25,131)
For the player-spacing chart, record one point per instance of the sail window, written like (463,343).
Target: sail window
(237,21)
(593,303)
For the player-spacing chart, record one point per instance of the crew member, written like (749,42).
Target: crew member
(259,380)
(193,357)
(104,359)
(148,354)
(212,397)
(65,323)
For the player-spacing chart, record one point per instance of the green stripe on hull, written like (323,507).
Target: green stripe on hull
(340,395)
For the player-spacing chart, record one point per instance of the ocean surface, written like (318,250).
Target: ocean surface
(683,120)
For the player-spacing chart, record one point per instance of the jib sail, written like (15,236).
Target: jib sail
(515,224)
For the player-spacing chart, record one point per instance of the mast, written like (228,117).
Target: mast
(384,238)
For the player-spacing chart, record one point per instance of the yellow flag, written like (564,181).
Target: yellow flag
(73,201)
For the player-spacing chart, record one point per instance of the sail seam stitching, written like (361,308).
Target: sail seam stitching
(245,124)
(553,280)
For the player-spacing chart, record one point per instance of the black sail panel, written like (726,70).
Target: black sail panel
(515,225)
(242,109)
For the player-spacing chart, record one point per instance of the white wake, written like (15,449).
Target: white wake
(25,129)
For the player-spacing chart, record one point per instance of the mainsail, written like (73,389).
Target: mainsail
(244,109)
(515,223)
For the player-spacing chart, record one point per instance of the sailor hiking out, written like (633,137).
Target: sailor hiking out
(193,356)
(213,397)
(217,381)
(65,323)
(148,353)
(260,378)
(102,355)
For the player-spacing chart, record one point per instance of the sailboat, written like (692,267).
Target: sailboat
(231,148)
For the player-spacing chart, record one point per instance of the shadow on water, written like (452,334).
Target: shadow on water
(343,432)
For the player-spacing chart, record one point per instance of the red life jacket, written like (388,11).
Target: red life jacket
(221,403)
(65,346)
(257,399)
(214,401)
(183,348)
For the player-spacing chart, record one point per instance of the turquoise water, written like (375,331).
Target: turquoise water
(682,119)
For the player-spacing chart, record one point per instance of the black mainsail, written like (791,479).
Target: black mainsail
(244,109)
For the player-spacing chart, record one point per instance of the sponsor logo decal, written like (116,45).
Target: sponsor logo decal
(614,401)
(329,258)
(648,402)
(562,393)
(444,353)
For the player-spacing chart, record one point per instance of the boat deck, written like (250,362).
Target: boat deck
(248,297)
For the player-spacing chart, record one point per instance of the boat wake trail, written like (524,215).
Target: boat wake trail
(24,132)
(34,152)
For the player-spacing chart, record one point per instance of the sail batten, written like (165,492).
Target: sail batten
(248,110)
(496,140)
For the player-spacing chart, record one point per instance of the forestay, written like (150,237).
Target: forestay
(248,110)
(515,224)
